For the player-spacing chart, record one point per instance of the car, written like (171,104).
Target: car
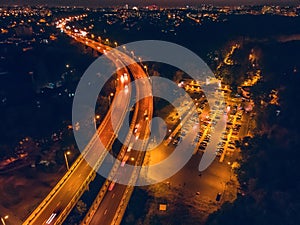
(218,154)
(221,143)
(146,117)
(201,148)
(203,144)
(175,142)
(206,139)
(205,123)
(235,133)
(53,216)
(126,88)
(125,159)
(221,149)
(231,147)
(129,147)
(112,184)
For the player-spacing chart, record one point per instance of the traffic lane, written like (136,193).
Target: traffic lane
(72,185)
(105,214)
(124,175)
(102,209)
(69,186)
(111,200)
(69,189)
(109,205)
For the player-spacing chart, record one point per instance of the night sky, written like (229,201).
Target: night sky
(100,3)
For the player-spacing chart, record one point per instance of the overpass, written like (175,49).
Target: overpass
(63,197)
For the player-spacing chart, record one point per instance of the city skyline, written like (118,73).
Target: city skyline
(103,3)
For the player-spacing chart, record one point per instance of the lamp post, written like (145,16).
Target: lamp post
(109,98)
(3,219)
(66,159)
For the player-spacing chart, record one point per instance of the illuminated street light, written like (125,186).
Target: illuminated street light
(66,159)
(109,98)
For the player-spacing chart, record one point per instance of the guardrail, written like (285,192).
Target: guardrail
(43,204)
(58,186)
(103,190)
(130,187)
(92,174)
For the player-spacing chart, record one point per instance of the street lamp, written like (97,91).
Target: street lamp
(3,219)
(146,68)
(66,159)
(109,98)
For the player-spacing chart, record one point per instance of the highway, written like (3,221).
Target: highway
(110,202)
(111,208)
(112,205)
(55,207)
